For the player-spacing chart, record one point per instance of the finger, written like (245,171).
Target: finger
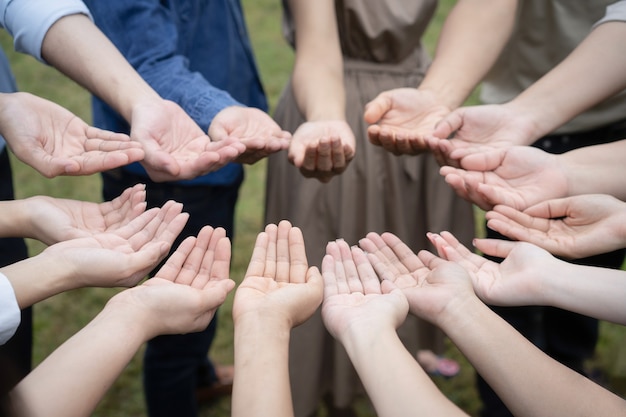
(194,261)
(338,156)
(270,254)
(297,253)
(375,109)
(373,133)
(495,247)
(256,266)
(430,260)
(329,276)
(406,257)
(551,209)
(218,263)
(351,273)
(333,250)
(174,264)
(381,250)
(283,261)
(324,155)
(366,274)
(448,125)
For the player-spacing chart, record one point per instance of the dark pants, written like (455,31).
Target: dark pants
(16,354)
(174,365)
(567,337)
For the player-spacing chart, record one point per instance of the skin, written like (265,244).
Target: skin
(324,145)
(363,314)
(402,119)
(278,292)
(529,382)
(55,142)
(118,258)
(573,227)
(181,298)
(52,220)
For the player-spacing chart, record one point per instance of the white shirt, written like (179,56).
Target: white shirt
(616,12)
(28,21)
(9,310)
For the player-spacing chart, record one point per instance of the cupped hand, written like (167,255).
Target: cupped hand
(252,128)
(279,285)
(518,176)
(55,220)
(354,298)
(322,149)
(400,119)
(176,147)
(56,142)
(124,256)
(184,295)
(573,227)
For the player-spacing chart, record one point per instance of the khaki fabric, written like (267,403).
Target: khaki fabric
(378,192)
(545,34)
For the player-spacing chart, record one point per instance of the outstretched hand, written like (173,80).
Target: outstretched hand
(176,147)
(574,227)
(354,298)
(279,285)
(56,142)
(183,295)
(322,149)
(400,119)
(518,176)
(125,256)
(252,128)
(54,220)
(514,282)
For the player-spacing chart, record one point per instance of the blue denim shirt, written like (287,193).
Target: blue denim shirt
(196,53)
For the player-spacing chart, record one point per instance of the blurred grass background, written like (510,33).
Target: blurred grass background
(60,317)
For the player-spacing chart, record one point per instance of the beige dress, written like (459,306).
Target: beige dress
(378,192)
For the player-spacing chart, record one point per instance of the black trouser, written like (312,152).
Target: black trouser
(567,337)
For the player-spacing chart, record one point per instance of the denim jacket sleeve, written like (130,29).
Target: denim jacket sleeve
(148,33)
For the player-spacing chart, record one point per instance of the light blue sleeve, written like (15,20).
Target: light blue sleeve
(9,311)
(28,21)
(615,12)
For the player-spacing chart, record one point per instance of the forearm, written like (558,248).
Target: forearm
(72,380)
(318,68)
(470,41)
(560,95)
(14,220)
(528,381)
(39,277)
(591,291)
(261,361)
(393,379)
(77,48)
(597,169)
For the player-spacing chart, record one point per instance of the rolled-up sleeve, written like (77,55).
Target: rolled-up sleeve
(28,21)
(9,310)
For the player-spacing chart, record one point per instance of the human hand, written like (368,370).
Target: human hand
(492,124)
(176,147)
(354,298)
(124,256)
(278,284)
(183,296)
(574,227)
(253,128)
(518,176)
(401,118)
(54,220)
(516,281)
(55,142)
(322,149)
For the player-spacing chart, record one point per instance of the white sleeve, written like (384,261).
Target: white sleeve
(9,310)
(28,21)
(615,12)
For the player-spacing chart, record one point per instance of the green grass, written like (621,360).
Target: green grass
(60,317)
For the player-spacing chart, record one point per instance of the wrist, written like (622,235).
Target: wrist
(530,123)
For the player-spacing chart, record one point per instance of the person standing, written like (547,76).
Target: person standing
(198,55)
(347,52)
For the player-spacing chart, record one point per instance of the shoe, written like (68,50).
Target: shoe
(437,365)
(221,388)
